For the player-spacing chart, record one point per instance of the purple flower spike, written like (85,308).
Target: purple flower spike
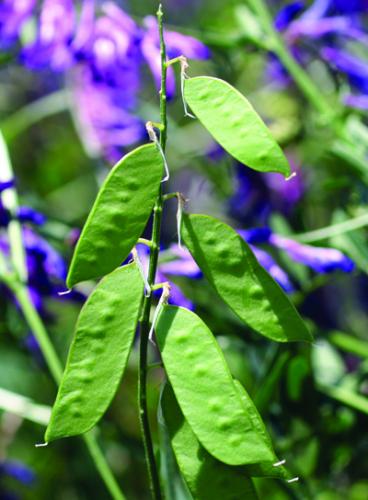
(271,266)
(13,14)
(27,214)
(320,259)
(55,32)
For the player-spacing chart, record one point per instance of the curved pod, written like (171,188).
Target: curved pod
(234,123)
(206,477)
(200,377)
(231,267)
(98,354)
(118,216)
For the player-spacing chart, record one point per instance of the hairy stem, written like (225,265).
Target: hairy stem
(145,323)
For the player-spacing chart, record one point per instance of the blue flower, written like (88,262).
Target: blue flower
(13,14)
(28,214)
(271,266)
(52,47)
(6,185)
(320,259)
(176,45)
(18,471)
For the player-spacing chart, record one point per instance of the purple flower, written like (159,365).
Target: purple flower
(354,68)
(6,185)
(176,45)
(17,471)
(320,259)
(255,235)
(287,14)
(105,124)
(271,266)
(184,263)
(28,214)
(13,14)
(357,101)
(52,47)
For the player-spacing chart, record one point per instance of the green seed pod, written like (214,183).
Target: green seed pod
(206,477)
(201,378)
(98,354)
(230,266)
(118,216)
(265,469)
(234,123)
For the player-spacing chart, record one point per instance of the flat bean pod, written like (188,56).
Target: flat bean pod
(98,354)
(200,377)
(265,469)
(206,477)
(118,216)
(231,267)
(234,123)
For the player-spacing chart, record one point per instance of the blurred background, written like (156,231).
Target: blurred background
(78,80)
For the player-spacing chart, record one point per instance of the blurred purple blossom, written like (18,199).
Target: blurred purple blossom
(28,214)
(320,259)
(176,45)
(271,266)
(17,471)
(13,14)
(180,267)
(326,29)
(56,27)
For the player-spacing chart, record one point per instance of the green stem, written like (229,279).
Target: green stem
(17,284)
(32,113)
(306,85)
(10,201)
(54,365)
(145,323)
(333,230)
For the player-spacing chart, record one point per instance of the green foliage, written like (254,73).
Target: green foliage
(235,125)
(206,477)
(118,216)
(199,374)
(230,266)
(98,354)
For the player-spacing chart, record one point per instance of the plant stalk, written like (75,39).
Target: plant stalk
(153,475)
(17,284)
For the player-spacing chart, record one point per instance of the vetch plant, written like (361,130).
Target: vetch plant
(217,435)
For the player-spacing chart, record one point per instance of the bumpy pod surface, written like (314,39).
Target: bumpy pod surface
(205,390)
(265,469)
(206,477)
(118,216)
(231,267)
(98,354)
(234,123)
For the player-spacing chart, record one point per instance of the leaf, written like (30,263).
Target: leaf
(206,477)
(205,390)
(235,125)
(230,266)
(118,216)
(98,354)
